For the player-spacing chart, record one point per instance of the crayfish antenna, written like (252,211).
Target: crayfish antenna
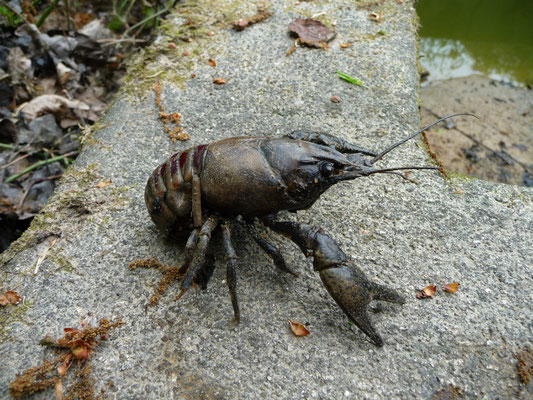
(390,148)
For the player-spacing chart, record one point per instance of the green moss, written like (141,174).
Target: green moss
(186,31)
(11,314)
(88,132)
(61,262)
(457,177)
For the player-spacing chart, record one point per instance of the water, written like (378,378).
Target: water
(490,37)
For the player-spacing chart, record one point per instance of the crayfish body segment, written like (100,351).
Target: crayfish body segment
(208,186)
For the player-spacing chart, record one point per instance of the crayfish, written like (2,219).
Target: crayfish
(254,178)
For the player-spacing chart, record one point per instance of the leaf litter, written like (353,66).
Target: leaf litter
(60,66)
(75,347)
(311,33)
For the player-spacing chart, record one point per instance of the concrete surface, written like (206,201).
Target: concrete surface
(404,235)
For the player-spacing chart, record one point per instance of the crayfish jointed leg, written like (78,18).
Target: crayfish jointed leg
(272,251)
(198,258)
(231,274)
(345,282)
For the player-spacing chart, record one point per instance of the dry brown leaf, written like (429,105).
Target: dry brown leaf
(80,352)
(377,17)
(104,184)
(311,32)
(427,292)
(451,287)
(219,81)
(345,45)
(51,103)
(212,62)
(210,33)
(335,99)
(298,329)
(13,297)
(3,300)
(83,19)
(65,365)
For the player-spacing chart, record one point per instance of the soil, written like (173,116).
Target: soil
(498,146)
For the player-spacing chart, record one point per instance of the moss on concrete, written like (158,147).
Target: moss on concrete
(184,41)
(76,198)
(12,314)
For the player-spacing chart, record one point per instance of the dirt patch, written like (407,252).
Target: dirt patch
(496,147)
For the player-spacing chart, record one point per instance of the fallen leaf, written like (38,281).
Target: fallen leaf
(377,17)
(63,368)
(298,329)
(335,99)
(311,32)
(345,45)
(171,45)
(104,184)
(82,19)
(451,287)
(219,81)
(212,62)
(210,33)
(13,297)
(51,103)
(186,53)
(3,300)
(427,292)
(80,352)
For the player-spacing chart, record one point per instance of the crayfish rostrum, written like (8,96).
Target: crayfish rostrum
(208,186)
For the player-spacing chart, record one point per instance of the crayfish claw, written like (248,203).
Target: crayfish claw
(352,291)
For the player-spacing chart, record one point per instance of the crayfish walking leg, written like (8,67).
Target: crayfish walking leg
(345,282)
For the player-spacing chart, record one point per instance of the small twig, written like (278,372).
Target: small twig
(15,160)
(110,42)
(43,255)
(67,6)
(38,165)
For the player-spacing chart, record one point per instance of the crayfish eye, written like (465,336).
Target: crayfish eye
(326,169)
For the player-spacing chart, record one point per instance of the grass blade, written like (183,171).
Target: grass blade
(349,79)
